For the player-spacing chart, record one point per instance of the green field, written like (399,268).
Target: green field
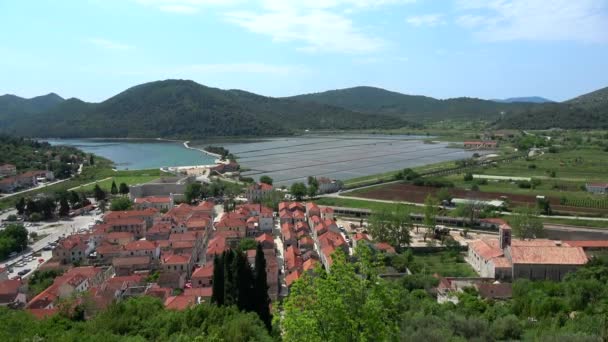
(442,263)
(106,184)
(581,165)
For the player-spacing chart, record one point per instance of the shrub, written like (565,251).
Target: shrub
(532,166)
(524,184)
(468,177)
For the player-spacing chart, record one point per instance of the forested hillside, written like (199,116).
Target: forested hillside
(28,154)
(589,111)
(410,107)
(185,109)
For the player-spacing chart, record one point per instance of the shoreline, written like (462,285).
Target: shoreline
(187,145)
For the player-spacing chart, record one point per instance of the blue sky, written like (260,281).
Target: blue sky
(93,49)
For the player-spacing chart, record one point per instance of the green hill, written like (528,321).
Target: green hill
(185,109)
(411,107)
(588,111)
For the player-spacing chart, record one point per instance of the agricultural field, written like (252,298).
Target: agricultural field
(362,204)
(443,263)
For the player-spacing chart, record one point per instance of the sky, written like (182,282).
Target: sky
(94,49)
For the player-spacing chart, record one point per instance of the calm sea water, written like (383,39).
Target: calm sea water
(139,154)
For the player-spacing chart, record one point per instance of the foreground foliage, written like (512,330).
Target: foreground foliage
(138,319)
(352,303)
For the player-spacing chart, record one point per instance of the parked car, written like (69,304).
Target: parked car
(23,272)
(47,248)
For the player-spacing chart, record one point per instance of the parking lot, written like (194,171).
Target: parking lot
(41,250)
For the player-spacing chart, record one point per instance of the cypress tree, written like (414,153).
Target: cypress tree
(229,284)
(114,188)
(217,296)
(243,278)
(260,288)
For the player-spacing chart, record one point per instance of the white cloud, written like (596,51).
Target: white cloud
(319,30)
(318,25)
(109,44)
(555,20)
(321,25)
(429,20)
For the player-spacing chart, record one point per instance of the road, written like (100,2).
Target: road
(53,231)
(40,186)
(283,291)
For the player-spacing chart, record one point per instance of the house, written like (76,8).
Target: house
(12,292)
(597,188)
(119,238)
(306,243)
(72,249)
(232,222)
(538,259)
(327,244)
(258,191)
(312,209)
(327,213)
(266,240)
(147,215)
(288,236)
(106,252)
(293,259)
(384,247)
(480,144)
(39,175)
(182,263)
(310,264)
(12,183)
(124,266)
(326,185)
(159,231)
(161,203)
(8,170)
(134,225)
(142,248)
(449,288)
(77,279)
(181,302)
(172,279)
(203,276)
(358,237)
(216,246)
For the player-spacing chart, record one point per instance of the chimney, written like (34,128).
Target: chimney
(504,236)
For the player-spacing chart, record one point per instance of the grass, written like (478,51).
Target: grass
(106,184)
(443,263)
(577,222)
(362,204)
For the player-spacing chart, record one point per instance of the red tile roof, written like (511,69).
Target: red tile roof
(486,249)
(292,277)
(204,272)
(548,255)
(265,238)
(153,199)
(310,264)
(383,246)
(140,245)
(177,259)
(43,313)
(131,261)
(205,292)
(181,302)
(588,244)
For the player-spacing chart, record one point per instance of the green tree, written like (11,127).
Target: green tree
(444,195)
(313,181)
(266,180)
(74,198)
(243,279)
(247,244)
(64,206)
(98,193)
(526,224)
(91,159)
(298,190)
(102,205)
(312,190)
(217,295)
(393,227)
(260,288)
(121,203)
(193,192)
(123,188)
(20,206)
(430,214)
(114,188)
(340,306)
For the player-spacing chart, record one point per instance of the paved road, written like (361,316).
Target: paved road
(41,186)
(53,230)
(283,291)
